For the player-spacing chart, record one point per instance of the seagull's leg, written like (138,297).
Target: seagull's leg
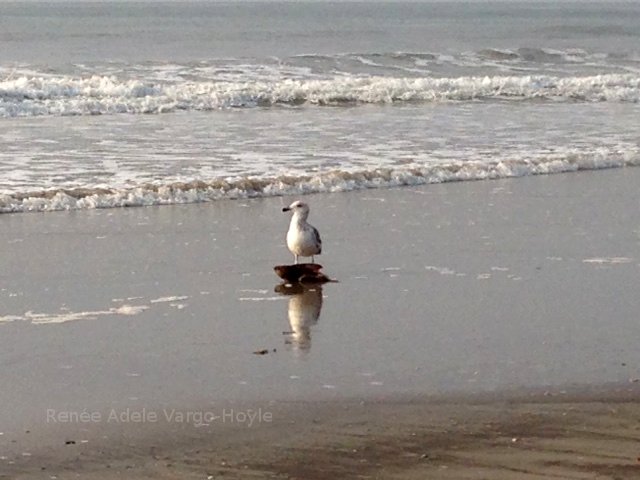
(296,257)
(312,260)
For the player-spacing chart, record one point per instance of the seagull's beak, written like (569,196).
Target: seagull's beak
(286,209)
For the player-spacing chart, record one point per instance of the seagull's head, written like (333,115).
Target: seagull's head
(297,207)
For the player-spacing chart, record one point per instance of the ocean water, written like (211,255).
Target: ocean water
(125,103)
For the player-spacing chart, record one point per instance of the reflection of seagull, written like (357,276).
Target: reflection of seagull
(304,311)
(302,238)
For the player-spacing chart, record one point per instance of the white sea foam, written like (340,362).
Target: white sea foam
(67,95)
(440,270)
(49,318)
(170,299)
(260,299)
(65,316)
(332,181)
(130,309)
(608,260)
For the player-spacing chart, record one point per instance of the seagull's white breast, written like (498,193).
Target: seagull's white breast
(301,239)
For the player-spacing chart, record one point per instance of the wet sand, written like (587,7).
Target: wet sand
(478,330)
(535,436)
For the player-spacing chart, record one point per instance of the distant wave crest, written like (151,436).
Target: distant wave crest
(27,96)
(335,181)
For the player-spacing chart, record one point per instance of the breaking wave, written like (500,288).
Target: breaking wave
(335,181)
(59,95)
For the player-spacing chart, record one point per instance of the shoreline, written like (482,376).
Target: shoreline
(196,192)
(466,315)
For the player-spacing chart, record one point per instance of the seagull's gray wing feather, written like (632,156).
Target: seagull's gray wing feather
(316,238)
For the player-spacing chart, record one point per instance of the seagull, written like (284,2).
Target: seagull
(302,239)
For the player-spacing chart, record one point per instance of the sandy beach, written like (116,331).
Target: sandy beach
(477,330)
(571,435)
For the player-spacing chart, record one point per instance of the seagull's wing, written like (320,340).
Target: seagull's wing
(316,238)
